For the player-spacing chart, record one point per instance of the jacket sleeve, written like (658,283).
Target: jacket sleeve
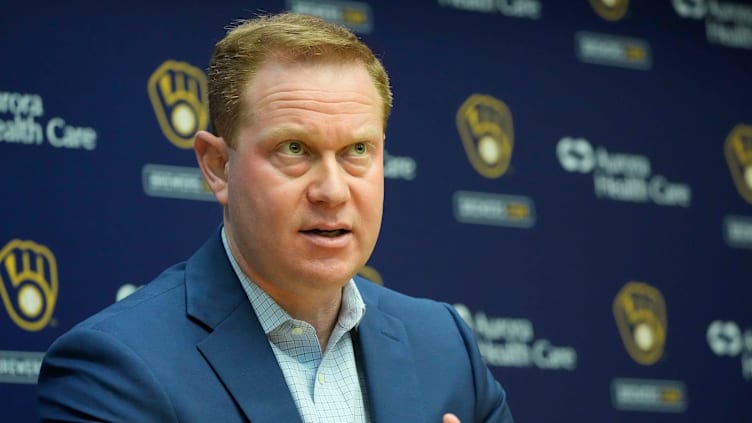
(90,376)
(491,399)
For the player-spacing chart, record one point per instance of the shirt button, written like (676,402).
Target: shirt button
(321,378)
(297,331)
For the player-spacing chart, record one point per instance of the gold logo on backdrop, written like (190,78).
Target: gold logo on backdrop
(354,16)
(28,283)
(738,149)
(487,132)
(178,93)
(371,274)
(640,314)
(610,10)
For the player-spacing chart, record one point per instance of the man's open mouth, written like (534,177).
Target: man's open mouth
(327,233)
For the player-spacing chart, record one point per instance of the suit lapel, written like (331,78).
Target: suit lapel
(236,347)
(390,371)
(238,351)
(241,357)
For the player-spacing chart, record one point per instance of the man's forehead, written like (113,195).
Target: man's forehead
(275,64)
(284,80)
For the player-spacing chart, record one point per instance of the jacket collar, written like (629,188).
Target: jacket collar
(238,351)
(393,389)
(236,346)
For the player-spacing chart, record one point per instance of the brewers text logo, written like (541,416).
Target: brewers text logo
(485,126)
(355,15)
(28,283)
(640,314)
(178,94)
(738,151)
(610,10)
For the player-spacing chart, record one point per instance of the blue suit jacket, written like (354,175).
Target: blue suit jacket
(188,348)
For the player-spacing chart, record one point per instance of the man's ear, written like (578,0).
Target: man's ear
(212,155)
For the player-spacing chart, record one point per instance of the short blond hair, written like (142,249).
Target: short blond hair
(289,36)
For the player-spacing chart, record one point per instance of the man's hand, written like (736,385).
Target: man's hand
(450,418)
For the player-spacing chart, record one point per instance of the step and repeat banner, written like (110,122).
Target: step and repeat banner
(574,177)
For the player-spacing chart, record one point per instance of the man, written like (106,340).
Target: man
(265,322)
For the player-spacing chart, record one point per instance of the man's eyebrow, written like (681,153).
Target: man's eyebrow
(299,133)
(286,132)
(368,134)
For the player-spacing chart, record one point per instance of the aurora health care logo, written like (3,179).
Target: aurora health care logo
(511,342)
(23,122)
(728,24)
(729,339)
(618,176)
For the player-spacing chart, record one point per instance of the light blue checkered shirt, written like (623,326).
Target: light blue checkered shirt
(326,388)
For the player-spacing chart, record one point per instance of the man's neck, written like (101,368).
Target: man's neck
(321,313)
(317,306)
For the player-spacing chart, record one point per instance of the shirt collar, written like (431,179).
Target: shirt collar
(271,315)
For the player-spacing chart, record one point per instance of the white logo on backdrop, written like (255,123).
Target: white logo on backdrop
(531,9)
(621,176)
(726,339)
(507,342)
(726,23)
(20,116)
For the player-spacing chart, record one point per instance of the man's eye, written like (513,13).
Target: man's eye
(293,147)
(359,149)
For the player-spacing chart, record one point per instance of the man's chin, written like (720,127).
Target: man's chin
(329,274)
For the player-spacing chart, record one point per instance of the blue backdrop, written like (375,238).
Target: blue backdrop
(575,177)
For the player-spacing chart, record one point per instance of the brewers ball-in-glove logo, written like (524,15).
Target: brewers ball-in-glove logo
(640,314)
(485,126)
(178,93)
(610,10)
(28,283)
(738,151)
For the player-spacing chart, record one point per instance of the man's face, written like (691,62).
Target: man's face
(306,178)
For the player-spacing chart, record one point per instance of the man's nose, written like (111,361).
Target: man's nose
(329,186)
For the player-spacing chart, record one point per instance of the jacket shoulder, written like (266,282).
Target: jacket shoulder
(163,293)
